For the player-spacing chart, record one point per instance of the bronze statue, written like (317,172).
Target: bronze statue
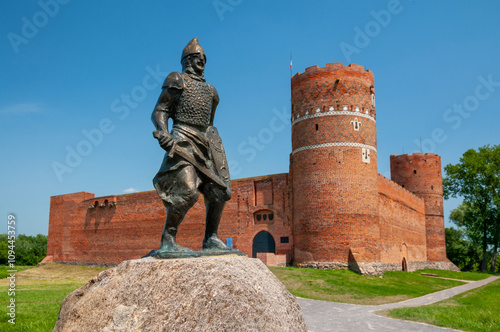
(194,160)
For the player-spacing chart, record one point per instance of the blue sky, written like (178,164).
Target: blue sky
(80,79)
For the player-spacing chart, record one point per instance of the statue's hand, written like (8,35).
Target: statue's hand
(164,138)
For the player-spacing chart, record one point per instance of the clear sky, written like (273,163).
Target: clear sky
(79,80)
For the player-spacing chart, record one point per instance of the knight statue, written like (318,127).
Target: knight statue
(194,161)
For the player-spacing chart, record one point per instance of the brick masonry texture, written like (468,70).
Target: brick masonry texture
(334,193)
(331,211)
(421,174)
(271,259)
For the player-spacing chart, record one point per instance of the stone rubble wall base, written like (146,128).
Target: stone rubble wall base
(377,269)
(89,264)
(323,265)
(443,265)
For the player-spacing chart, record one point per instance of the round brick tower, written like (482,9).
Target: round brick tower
(421,174)
(333,166)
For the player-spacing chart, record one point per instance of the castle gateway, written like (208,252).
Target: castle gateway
(332,210)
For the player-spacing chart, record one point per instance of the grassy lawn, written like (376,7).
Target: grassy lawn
(456,275)
(475,310)
(39,293)
(4,269)
(349,287)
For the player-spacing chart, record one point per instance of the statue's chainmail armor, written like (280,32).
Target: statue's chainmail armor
(195,103)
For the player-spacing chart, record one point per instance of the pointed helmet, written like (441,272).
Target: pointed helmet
(191,48)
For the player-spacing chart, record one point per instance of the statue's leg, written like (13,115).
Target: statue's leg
(214,203)
(183,194)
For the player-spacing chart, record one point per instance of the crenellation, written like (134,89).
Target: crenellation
(334,65)
(356,67)
(311,69)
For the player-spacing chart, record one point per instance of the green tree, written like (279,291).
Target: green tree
(462,250)
(30,250)
(476,178)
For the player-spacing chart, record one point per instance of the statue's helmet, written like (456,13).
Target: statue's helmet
(193,47)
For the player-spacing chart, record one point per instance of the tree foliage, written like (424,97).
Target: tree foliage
(29,250)
(461,250)
(476,178)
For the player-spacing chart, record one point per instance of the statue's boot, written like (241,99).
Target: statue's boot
(214,243)
(214,214)
(168,242)
(172,221)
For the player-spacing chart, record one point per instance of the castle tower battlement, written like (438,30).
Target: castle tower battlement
(421,174)
(334,165)
(344,92)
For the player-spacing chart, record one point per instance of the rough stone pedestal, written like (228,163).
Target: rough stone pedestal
(194,294)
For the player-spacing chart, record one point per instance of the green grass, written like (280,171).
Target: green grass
(39,293)
(456,275)
(4,269)
(475,310)
(36,310)
(349,287)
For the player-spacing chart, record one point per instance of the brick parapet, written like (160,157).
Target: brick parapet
(318,89)
(397,192)
(333,66)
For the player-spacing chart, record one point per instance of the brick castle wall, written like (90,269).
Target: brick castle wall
(88,229)
(402,224)
(80,230)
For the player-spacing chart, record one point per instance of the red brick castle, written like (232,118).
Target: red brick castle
(332,210)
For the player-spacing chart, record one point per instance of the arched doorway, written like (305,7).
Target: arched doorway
(404,253)
(262,242)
